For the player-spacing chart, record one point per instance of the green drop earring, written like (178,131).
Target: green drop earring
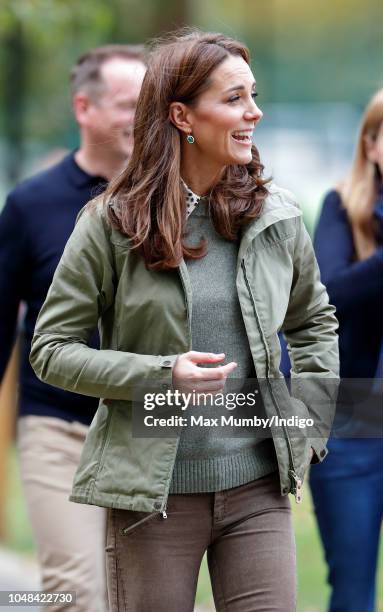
(190,138)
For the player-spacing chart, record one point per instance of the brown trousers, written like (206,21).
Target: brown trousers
(247,533)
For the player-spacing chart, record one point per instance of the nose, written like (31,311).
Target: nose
(253,113)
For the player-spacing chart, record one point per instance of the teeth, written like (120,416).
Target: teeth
(244,136)
(243,133)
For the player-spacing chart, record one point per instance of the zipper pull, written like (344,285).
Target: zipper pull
(298,487)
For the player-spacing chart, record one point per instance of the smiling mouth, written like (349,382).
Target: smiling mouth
(243,137)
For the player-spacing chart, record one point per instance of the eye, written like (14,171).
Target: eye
(237,97)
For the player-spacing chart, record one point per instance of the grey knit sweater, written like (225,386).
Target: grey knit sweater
(206,460)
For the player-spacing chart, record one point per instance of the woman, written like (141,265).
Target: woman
(348,488)
(138,264)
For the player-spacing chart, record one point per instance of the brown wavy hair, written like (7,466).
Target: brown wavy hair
(147,202)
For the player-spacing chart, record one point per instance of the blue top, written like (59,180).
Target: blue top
(35,224)
(355,288)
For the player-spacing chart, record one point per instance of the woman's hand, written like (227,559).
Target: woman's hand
(188,377)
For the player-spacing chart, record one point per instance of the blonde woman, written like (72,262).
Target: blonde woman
(348,489)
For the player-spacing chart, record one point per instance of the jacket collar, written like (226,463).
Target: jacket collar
(279,205)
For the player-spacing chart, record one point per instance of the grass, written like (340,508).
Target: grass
(312,589)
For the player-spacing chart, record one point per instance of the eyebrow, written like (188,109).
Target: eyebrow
(236,87)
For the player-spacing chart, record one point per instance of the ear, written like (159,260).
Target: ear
(80,103)
(180,116)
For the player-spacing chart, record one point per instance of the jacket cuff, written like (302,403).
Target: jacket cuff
(320,450)
(166,372)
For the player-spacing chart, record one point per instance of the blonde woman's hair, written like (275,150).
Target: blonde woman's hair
(360,190)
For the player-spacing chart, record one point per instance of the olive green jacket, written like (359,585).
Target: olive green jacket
(144,323)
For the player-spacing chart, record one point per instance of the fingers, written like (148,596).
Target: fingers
(198,357)
(188,376)
(216,373)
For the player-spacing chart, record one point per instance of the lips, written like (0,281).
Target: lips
(243,136)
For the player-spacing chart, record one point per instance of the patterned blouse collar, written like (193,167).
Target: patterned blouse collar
(192,199)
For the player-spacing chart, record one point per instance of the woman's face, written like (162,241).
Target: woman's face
(224,117)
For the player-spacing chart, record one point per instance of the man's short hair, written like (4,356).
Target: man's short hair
(85,75)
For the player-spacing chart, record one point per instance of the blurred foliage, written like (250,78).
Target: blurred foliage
(303,51)
(55,33)
(41,39)
(307,51)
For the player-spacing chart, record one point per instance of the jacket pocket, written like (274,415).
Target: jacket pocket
(130,521)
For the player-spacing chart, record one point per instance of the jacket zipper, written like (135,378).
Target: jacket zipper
(164,511)
(187,304)
(127,530)
(296,482)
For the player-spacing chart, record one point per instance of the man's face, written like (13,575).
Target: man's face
(109,117)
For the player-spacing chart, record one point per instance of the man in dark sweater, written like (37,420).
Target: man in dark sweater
(35,224)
